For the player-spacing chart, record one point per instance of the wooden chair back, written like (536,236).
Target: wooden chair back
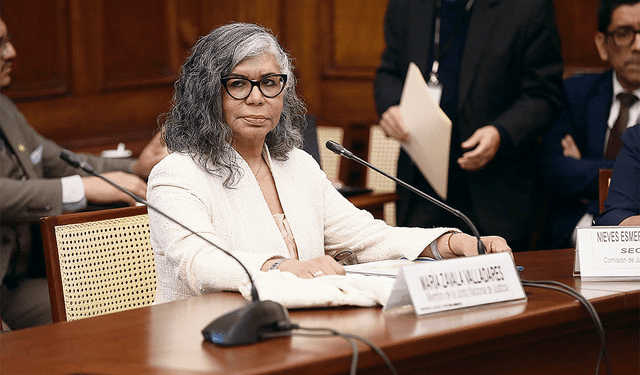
(98,262)
(604,180)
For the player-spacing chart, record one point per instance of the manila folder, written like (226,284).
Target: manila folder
(429,131)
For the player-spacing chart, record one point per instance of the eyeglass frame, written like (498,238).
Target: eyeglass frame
(253,83)
(612,34)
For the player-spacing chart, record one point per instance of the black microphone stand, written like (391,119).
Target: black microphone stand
(338,149)
(245,325)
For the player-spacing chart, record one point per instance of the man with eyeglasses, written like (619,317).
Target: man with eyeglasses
(586,138)
(35,182)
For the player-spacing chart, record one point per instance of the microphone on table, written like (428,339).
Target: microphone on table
(339,149)
(342,151)
(245,325)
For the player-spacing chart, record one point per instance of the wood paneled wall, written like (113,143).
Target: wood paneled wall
(92,73)
(577,23)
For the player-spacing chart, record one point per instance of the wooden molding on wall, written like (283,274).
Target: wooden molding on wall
(138,57)
(43,68)
(351,40)
(577,24)
(355,41)
(91,73)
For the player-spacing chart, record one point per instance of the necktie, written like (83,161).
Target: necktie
(615,143)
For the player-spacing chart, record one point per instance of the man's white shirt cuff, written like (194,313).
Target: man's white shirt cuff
(73,195)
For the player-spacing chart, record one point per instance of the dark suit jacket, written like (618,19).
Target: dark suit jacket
(511,76)
(570,182)
(623,200)
(24,200)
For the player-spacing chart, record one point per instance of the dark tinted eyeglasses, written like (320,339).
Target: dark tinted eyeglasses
(240,88)
(623,37)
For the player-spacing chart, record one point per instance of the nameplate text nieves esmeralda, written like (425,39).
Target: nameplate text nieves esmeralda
(457,283)
(609,253)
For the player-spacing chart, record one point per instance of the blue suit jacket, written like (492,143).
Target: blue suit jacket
(623,200)
(573,184)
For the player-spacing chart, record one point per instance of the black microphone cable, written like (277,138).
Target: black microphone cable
(328,332)
(557,286)
(339,149)
(281,328)
(550,284)
(78,162)
(285,328)
(554,285)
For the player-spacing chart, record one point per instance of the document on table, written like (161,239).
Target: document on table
(429,131)
(386,268)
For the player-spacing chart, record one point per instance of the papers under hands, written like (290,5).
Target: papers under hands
(429,131)
(366,285)
(384,268)
(335,290)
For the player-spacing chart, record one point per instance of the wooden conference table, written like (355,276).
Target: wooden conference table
(551,333)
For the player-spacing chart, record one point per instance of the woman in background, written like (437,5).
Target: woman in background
(236,176)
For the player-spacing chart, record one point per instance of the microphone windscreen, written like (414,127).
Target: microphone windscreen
(76,161)
(335,147)
(70,158)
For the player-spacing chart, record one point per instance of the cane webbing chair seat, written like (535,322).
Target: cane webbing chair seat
(329,161)
(383,153)
(98,262)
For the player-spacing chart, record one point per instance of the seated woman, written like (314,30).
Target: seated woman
(236,176)
(622,206)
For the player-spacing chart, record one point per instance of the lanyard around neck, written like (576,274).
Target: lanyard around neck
(437,52)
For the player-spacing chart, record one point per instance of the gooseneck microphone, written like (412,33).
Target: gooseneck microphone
(339,149)
(246,325)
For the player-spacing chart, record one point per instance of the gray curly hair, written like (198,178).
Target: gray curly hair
(195,125)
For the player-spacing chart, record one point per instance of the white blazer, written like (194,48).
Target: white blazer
(238,219)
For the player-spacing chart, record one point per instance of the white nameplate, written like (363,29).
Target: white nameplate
(609,253)
(457,283)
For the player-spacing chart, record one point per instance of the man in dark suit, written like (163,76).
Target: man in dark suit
(578,144)
(35,182)
(622,206)
(500,69)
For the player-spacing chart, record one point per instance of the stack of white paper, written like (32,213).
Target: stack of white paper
(387,268)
